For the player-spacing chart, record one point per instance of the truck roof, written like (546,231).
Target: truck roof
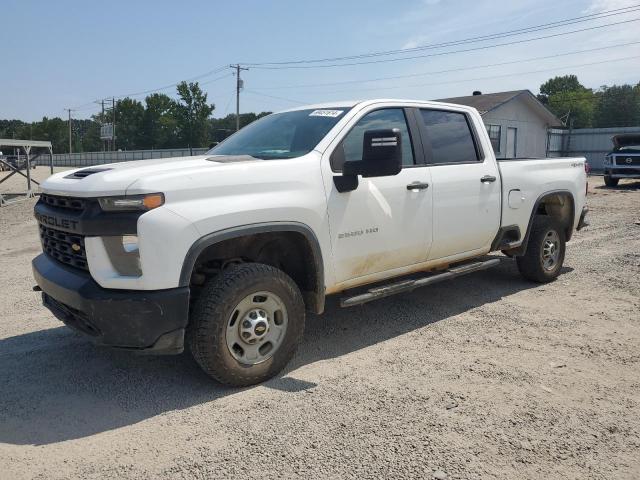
(353,103)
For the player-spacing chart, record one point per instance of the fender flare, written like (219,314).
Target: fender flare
(522,249)
(251,229)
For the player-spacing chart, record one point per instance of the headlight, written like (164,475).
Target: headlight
(131,203)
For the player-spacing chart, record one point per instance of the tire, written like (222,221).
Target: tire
(535,264)
(227,306)
(611,182)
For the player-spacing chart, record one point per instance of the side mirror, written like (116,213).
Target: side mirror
(381,157)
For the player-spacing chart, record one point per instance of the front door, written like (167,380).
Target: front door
(466,184)
(383,224)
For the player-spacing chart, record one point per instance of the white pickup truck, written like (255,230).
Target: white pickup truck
(223,253)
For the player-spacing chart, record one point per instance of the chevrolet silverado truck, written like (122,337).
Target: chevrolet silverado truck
(624,160)
(224,253)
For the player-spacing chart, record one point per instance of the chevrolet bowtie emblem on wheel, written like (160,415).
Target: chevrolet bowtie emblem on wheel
(628,160)
(75,247)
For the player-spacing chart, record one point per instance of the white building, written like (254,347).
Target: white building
(517,122)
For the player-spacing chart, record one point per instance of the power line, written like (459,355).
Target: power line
(485,47)
(520,31)
(274,97)
(460,69)
(145,92)
(482,78)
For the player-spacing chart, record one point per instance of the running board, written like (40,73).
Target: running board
(408,285)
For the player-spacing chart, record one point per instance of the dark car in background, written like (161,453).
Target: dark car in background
(624,160)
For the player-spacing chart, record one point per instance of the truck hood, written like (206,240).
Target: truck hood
(625,140)
(117,178)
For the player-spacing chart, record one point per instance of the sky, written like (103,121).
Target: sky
(68,54)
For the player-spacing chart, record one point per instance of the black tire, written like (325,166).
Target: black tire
(611,182)
(531,264)
(207,329)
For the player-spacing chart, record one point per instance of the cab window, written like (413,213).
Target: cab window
(350,149)
(450,137)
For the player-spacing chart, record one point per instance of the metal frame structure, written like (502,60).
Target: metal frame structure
(25,145)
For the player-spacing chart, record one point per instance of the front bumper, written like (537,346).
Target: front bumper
(150,321)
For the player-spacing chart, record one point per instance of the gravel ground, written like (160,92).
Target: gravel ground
(487,376)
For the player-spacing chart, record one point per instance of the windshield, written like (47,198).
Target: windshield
(282,135)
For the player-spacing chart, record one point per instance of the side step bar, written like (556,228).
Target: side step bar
(408,285)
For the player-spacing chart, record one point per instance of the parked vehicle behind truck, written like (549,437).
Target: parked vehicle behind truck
(624,160)
(223,253)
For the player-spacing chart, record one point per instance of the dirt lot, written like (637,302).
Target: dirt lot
(484,377)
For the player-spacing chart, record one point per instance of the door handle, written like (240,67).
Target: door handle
(417,186)
(488,179)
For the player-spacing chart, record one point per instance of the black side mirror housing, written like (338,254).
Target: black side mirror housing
(381,157)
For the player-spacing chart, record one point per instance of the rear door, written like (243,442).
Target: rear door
(466,184)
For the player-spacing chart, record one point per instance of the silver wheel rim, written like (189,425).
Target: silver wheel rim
(256,328)
(550,250)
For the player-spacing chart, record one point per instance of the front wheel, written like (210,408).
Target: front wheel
(246,324)
(545,251)
(610,181)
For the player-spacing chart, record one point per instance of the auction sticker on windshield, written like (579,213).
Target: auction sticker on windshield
(326,113)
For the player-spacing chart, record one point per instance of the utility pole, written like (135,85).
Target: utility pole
(102,123)
(113,110)
(239,85)
(69,111)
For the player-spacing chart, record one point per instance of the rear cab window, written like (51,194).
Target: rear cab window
(450,137)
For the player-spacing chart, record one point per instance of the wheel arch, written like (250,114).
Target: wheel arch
(299,233)
(551,203)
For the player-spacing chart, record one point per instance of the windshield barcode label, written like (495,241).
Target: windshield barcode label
(326,113)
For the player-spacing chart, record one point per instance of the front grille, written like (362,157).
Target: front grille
(67,248)
(621,160)
(67,203)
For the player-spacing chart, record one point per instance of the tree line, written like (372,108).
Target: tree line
(163,122)
(581,107)
(158,122)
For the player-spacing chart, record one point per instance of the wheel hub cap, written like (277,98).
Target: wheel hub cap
(256,328)
(550,250)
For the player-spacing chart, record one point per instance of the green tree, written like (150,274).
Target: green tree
(618,106)
(192,114)
(129,119)
(159,124)
(569,100)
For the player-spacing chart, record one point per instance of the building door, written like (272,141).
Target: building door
(512,142)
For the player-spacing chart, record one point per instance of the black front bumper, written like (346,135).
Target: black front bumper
(150,321)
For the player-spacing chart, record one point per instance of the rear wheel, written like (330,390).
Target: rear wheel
(610,181)
(545,251)
(246,324)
